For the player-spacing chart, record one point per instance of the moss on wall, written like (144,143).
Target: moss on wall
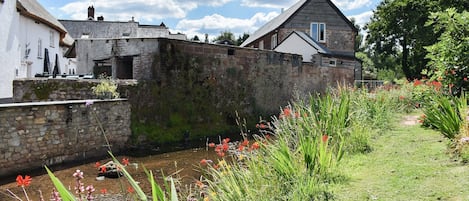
(189,96)
(44,89)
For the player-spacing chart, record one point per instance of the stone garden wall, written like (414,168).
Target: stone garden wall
(45,89)
(46,133)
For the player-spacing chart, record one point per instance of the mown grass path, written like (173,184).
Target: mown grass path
(407,163)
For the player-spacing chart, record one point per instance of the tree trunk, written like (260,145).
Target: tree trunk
(405,54)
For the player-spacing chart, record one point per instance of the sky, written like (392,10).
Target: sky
(196,17)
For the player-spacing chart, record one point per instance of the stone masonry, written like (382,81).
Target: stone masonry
(48,133)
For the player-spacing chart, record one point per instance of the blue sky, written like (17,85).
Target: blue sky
(196,17)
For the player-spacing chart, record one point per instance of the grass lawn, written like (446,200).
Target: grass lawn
(407,163)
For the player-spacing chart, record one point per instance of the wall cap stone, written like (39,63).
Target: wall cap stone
(9,105)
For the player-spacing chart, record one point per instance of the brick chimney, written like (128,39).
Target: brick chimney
(91,13)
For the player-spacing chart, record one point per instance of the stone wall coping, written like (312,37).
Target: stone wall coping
(59,102)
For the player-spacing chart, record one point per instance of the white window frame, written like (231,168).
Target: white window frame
(317,36)
(273,41)
(39,48)
(333,62)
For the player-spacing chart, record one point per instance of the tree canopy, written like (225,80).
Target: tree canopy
(397,30)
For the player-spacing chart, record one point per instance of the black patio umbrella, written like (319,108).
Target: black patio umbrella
(56,70)
(46,62)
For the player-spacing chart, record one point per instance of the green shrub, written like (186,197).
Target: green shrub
(445,114)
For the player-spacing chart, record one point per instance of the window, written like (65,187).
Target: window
(39,48)
(85,35)
(261,44)
(333,62)
(273,41)
(52,39)
(318,31)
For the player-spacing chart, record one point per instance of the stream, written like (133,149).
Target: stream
(185,163)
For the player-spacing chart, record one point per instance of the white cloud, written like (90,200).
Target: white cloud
(352,4)
(215,23)
(148,10)
(268,3)
(362,18)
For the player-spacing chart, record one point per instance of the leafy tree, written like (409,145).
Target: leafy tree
(449,57)
(241,39)
(397,28)
(225,36)
(195,38)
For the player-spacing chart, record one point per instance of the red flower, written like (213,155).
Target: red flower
(203,162)
(287,112)
(225,147)
(401,97)
(241,147)
(221,154)
(125,161)
(245,143)
(211,145)
(103,191)
(102,169)
(465,79)
(130,189)
(218,148)
(325,138)
(97,164)
(226,140)
(215,166)
(20,181)
(267,136)
(255,145)
(417,83)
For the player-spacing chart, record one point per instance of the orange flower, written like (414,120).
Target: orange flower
(211,145)
(325,138)
(226,140)
(267,136)
(241,147)
(255,145)
(245,143)
(203,162)
(287,112)
(97,164)
(417,83)
(216,166)
(130,189)
(262,126)
(401,97)
(199,184)
(225,147)
(102,169)
(20,181)
(221,154)
(103,191)
(125,161)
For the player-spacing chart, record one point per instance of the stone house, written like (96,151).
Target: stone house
(92,29)
(30,39)
(315,29)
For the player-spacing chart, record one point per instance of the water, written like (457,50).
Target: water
(185,162)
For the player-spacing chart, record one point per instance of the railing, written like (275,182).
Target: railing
(369,84)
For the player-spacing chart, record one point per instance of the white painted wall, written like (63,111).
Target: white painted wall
(9,47)
(296,45)
(30,33)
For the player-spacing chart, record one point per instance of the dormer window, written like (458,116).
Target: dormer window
(318,31)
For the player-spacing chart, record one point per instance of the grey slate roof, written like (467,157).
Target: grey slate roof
(32,9)
(274,23)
